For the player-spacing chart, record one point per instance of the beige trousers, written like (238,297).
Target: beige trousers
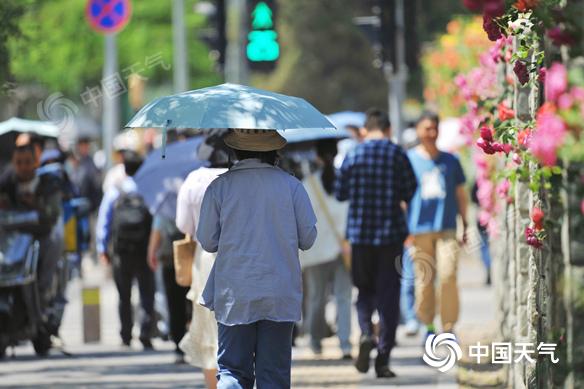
(435,255)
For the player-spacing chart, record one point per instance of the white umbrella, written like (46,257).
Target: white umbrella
(47,129)
(230,106)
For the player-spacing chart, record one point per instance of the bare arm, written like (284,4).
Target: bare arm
(153,246)
(462,201)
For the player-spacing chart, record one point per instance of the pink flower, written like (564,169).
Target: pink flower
(577,93)
(556,81)
(503,188)
(486,134)
(521,72)
(565,101)
(491,28)
(531,238)
(550,134)
(560,37)
(516,159)
(582,207)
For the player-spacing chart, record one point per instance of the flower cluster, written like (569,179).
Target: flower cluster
(457,51)
(534,233)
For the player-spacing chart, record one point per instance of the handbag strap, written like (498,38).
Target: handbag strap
(325,209)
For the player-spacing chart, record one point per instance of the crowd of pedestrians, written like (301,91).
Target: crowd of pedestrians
(373,216)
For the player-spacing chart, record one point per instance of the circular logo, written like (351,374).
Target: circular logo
(450,351)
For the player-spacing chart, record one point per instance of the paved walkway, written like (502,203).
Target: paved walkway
(107,365)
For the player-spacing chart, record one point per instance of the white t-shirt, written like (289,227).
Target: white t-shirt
(326,248)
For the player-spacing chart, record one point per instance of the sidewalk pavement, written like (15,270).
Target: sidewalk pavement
(108,365)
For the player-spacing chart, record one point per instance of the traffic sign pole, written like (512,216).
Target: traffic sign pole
(111,107)
(109,17)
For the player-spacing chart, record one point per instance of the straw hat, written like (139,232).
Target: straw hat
(254,140)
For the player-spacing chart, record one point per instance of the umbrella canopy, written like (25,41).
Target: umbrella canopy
(346,118)
(159,180)
(47,129)
(307,135)
(230,106)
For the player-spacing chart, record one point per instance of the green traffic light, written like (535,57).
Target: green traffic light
(262,17)
(263,40)
(263,46)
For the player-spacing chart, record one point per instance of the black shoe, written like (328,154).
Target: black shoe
(363,359)
(384,372)
(382,366)
(126,342)
(146,344)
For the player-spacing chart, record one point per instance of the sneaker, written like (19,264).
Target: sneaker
(363,359)
(412,328)
(346,356)
(430,331)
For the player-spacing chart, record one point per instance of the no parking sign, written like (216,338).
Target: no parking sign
(108,16)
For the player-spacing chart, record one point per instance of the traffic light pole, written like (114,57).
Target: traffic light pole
(396,74)
(235,62)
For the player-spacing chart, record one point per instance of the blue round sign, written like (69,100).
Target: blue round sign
(108,16)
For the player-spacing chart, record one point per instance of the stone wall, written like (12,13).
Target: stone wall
(540,293)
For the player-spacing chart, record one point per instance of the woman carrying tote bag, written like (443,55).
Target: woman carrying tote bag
(200,342)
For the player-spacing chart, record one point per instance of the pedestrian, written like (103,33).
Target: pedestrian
(256,217)
(440,197)
(323,263)
(23,189)
(377,180)
(200,342)
(164,233)
(123,229)
(86,176)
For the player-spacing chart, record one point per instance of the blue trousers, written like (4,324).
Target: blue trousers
(262,349)
(408,296)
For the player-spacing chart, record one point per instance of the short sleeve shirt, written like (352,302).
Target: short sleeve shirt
(434,206)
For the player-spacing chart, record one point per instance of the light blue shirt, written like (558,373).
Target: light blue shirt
(256,217)
(106,209)
(434,206)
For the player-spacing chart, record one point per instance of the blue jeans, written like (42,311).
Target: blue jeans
(407,294)
(485,253)
(262,349)
(318,278)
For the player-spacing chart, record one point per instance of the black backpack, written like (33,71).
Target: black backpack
(131,224)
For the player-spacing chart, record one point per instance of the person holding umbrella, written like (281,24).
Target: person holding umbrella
(255,217)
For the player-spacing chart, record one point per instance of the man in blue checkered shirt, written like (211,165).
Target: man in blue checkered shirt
(378,181)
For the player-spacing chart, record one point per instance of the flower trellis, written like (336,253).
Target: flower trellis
(531,151)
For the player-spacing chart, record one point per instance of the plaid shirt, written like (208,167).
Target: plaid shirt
(376,176)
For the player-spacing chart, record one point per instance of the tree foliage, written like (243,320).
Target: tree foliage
(60,51)
(325,58)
